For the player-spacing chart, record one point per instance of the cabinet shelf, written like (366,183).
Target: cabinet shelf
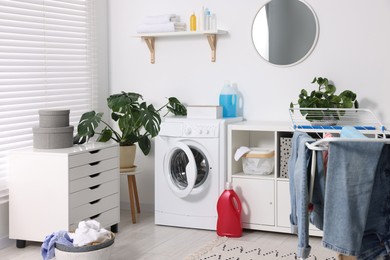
(265,198)
(253,176)
(149,39)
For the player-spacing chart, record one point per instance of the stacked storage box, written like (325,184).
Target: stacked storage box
(54,130)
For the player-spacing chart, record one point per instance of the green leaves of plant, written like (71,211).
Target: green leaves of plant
(325,97)
(105,135)
(176,107)
(89,121)
(137,121)
(144,144)
(150,119)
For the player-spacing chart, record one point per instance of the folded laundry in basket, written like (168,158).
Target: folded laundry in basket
(48,245)
(89,232)
(159,19)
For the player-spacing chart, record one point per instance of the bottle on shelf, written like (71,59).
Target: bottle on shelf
(193,22)
(206,19)
(213,22)
(229,213)
(228,100)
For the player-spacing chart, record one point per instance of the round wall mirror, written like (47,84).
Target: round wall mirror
(285,32)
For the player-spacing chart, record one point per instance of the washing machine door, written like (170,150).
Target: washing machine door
(180,169)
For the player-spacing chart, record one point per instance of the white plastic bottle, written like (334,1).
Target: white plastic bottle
(205,25)
(213,22)
(228,100)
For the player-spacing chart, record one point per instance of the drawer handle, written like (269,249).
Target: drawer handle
(95,216)
(94,202)
(94,151)
(94,175)
(94,187)
(94,163)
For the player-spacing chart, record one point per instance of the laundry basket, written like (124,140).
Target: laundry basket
(258,161)
(100,251)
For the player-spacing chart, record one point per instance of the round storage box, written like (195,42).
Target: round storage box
(96,252)
(53,138)
(258,161)
(53,118)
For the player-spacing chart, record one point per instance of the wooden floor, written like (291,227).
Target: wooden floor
(146,241)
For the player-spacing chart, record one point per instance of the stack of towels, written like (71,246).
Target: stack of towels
(161,23)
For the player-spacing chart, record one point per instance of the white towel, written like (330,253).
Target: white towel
(89,232)
(158,19)
(163,27)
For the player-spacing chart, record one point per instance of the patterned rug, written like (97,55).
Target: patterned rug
(232,249)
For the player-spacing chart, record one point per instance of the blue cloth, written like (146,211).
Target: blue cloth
(299,174)
(351,132)
(348,192)
(48,245)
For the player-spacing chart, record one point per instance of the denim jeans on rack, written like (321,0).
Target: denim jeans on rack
(376,238)
(299,176)
(349,192)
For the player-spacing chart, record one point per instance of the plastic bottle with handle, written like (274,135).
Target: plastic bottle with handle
(228,100)
(229,213)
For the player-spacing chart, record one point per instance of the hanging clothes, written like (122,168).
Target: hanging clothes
(298,171)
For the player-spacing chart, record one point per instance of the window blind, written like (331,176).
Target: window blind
(47,61)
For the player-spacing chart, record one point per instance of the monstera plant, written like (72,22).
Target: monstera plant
(137,121)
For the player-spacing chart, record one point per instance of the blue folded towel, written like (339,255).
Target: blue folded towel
(48,245)
(351,132)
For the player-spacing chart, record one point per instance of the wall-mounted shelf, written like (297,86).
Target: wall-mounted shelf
(211,37)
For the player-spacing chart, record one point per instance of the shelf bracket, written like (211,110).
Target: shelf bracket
(150,42)
(212,38)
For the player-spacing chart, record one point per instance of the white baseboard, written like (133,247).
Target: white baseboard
(6,242)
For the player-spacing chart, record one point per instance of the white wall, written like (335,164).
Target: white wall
(353,50)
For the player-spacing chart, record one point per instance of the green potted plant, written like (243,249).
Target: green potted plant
(137,122)
(324,104)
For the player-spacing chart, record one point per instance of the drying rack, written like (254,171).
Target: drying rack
(334,119)
(320,121)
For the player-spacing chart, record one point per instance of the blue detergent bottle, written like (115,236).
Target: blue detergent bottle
(228,100)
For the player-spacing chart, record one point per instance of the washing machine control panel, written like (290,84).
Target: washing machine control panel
(200,130)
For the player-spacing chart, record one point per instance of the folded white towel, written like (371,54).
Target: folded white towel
(163,27)
(157,19)
(89,232)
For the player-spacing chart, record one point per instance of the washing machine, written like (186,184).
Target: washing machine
(190,171)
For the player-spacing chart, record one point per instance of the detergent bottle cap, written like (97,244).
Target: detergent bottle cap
(228,186)
(227,88)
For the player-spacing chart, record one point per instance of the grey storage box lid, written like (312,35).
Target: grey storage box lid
(53,138)
(53,118)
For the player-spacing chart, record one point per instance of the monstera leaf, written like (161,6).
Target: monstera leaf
(89,121)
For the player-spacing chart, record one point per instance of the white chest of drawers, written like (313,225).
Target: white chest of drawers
(53,189)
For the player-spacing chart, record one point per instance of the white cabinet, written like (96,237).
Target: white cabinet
(53,189)
(265,198)
(258,209)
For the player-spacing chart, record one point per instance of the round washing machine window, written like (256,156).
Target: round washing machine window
(178,163)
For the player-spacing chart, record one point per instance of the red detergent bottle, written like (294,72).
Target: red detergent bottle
(229,213)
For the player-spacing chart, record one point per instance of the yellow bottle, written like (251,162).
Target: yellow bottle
(193,22)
